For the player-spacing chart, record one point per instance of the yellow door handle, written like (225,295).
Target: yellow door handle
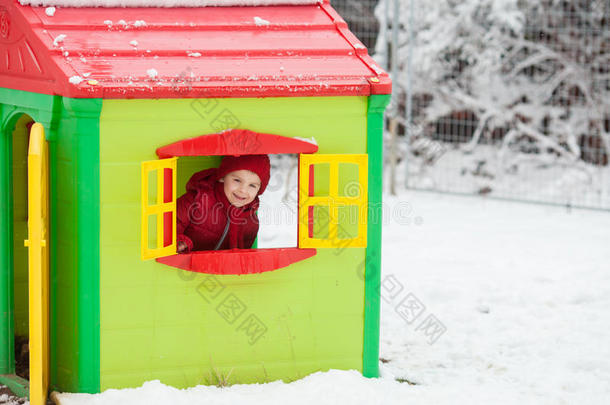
(43,243)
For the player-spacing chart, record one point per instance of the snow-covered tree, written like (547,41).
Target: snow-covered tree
(530,76)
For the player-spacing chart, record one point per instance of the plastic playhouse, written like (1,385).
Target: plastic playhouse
(106,113)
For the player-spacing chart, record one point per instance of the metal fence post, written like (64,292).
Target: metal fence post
(409,92)
(395,89)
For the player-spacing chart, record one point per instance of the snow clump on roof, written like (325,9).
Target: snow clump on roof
(58,39)
(152,73)
(75,79)
(260,22)
(50,11)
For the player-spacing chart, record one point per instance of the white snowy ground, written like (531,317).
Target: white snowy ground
(522,290)
(501,173)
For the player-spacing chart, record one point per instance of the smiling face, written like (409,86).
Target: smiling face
(241,187)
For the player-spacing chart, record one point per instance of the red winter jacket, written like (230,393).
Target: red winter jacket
(203,212)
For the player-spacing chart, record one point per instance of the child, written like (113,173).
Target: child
(219,209)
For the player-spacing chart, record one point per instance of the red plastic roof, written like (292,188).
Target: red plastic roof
(270,51)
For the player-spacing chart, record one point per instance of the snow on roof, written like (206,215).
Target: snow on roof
(275,51)
(163,3)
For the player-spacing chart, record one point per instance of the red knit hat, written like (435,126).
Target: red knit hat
(258,164)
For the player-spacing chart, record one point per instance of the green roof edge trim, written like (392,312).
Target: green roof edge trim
(372,265)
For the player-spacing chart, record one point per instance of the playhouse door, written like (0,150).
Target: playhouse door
(38,258)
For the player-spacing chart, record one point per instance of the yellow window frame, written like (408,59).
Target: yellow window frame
(159,208)
(333,200)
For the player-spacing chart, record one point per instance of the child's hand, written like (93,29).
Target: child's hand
(181,247)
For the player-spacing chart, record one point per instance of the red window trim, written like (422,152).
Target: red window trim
(236,142)
(235,261)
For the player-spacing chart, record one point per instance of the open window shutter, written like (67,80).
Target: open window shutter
(158,208)
(333,195)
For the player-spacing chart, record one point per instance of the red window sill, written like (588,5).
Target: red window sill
(237,261)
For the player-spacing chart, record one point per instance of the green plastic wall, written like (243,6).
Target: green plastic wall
(371,269)
(13,300)
(74,156)
(72,130)
(160,322)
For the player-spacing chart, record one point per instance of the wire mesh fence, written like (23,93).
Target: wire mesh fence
(509,99)
(360,16)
